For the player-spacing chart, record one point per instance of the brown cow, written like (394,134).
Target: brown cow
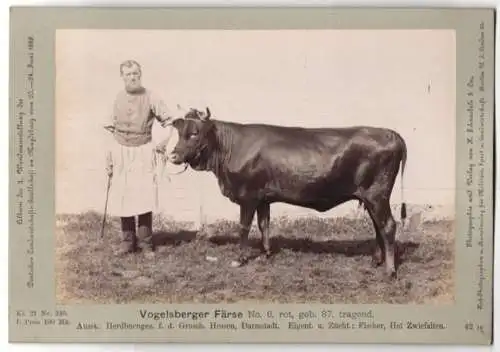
(317,168)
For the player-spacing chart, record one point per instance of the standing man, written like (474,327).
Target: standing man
(130,159)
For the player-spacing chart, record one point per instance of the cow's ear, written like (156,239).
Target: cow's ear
(178,124)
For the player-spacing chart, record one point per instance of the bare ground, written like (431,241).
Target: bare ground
(316,260)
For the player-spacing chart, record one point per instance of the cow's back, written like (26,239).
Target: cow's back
(310,167)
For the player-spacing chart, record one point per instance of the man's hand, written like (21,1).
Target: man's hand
(110,128)
(109,170)
(161,148)
(166,123)
(109,164)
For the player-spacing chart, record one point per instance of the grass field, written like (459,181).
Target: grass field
(317,260)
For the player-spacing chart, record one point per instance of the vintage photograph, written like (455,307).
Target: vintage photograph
(267,166)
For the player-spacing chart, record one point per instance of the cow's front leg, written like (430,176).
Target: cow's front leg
(247,212)
(263,218)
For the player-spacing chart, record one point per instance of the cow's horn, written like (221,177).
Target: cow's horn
(205,115)
(208,113)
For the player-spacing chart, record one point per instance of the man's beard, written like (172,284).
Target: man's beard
(134,87)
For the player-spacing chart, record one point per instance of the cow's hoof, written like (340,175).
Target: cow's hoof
(377,258)
(392,274)
(264,257)
(242,260)
(376,262)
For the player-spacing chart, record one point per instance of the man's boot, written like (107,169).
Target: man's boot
(145,233)
(129,239)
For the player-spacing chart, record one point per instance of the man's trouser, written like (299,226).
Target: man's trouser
(143,240)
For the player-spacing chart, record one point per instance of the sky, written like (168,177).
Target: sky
(401,79)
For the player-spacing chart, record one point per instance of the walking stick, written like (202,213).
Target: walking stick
(112,130)
(105,206)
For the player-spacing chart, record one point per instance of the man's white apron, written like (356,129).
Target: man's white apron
(133,183)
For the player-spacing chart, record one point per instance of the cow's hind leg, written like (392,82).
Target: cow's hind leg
(378,255)
(247,213)
(385,226)
(263,219)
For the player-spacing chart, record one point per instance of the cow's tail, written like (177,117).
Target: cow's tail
(403,165)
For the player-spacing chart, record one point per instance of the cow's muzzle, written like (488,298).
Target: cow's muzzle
(174,158)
